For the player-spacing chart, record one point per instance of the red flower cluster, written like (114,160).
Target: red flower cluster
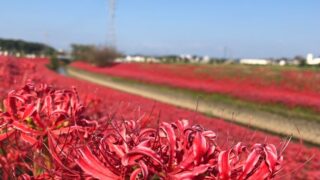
(261,84)
(103,104)
(175,151)
(39,130)
(11,75)
(45,135)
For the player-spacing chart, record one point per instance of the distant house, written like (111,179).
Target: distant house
(312,61)
(4,53)
(64,57)
(134,59)
(152,60)
(282,62)
(141,59)
(129,59)
(30,56)
(205,59)
(255,61)
(194,59)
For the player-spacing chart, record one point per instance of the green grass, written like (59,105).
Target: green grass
(279,109)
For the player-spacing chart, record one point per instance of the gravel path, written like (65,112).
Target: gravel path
(301,129)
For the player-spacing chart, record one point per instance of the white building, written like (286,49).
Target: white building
(194,59)
(135,59)
(140,59)
(311,60)
(186,56)
(255,61)
(152,60)
(30,56)
(282,62)
(5,53)
(205,59)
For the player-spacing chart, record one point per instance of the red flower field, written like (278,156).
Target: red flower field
(290,87)
(144,155)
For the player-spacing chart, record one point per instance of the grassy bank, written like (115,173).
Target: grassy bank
(211,98)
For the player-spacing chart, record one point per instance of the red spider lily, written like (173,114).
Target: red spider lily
(301,162)
(42,107)
(42,126)
(260,84)
(174,151)
(12,73)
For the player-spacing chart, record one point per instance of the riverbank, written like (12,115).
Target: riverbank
(297,127)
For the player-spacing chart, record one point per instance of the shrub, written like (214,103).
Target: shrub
(103,56)
(54,63)
(98,56)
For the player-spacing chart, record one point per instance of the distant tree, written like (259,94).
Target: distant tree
(103,56)
(24,47)
(302,60)
(81,52)
(99,56)
(54,63)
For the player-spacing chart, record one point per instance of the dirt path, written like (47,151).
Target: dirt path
(305,129)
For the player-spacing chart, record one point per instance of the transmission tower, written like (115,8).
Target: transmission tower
(111,24)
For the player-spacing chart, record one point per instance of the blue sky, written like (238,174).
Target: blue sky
(246,28)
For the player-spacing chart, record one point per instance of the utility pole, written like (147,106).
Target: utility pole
(111,24)
(225,52)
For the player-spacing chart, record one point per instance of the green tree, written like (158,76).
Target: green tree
(99,56)
(25,47)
